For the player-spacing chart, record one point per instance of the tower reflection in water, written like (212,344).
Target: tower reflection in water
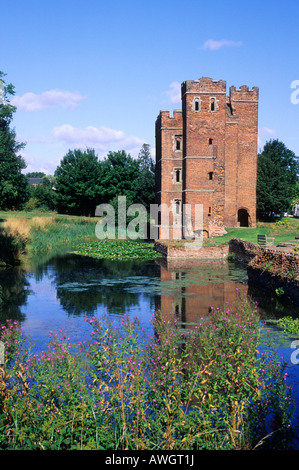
(189,288)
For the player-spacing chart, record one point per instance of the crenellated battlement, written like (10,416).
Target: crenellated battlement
(166,120)
(244,93)
(203,85)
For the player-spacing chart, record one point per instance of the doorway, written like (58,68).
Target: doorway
(243,218)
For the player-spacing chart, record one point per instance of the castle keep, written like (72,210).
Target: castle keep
(206,153)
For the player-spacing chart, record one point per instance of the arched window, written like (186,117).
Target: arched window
(177,175)
(178,142)
(196,104)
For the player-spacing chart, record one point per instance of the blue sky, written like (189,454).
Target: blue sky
(96,74)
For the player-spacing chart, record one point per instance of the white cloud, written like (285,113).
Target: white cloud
(49,99)
(267,131)
(174,92)
(100,138)
(213,45)
(264,134)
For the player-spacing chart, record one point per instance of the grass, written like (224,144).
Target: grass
(38,232)
(284,230)
(177,389)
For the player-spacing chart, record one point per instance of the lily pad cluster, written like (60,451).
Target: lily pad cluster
(117,250)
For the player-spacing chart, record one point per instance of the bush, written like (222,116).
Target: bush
(31,204)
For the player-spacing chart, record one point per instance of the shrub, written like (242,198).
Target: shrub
(31,204)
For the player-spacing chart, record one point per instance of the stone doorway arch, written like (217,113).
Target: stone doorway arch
(243,217)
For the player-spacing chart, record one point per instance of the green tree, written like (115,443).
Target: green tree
(277,178)
(119,172)
(145,182)
(13,184)
(44,194)
(77,183)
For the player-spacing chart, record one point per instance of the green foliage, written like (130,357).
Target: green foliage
(289,324)
(78,183)
(277,178)
(13,184)
(119,171)
(279,291)
(83,182)
(178,389)
(43,195)
(145,182)
(31,204)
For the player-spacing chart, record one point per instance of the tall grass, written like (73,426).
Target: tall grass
(41,234)
(176,389)
(61,231)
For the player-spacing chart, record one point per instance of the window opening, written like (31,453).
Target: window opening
(210,141)
(177,175)
(210,211)
(196,104)
(177,203)
(212,104)
(211,175)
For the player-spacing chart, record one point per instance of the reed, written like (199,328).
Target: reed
(40,234)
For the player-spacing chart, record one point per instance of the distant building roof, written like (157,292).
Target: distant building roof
(35,180)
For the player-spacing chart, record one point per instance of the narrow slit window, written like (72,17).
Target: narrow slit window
(177,203)
(211,174)
(178,142)
(210,141)
(212,104)
(210,211)
(196,104)
(177,175)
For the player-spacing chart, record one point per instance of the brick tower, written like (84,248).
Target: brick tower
(206,154)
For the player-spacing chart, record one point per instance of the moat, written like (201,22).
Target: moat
(60,293)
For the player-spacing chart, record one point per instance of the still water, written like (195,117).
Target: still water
(60,292)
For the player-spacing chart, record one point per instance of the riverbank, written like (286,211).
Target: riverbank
(34,233)
(274,268)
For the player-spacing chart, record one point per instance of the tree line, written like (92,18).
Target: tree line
(82,181)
